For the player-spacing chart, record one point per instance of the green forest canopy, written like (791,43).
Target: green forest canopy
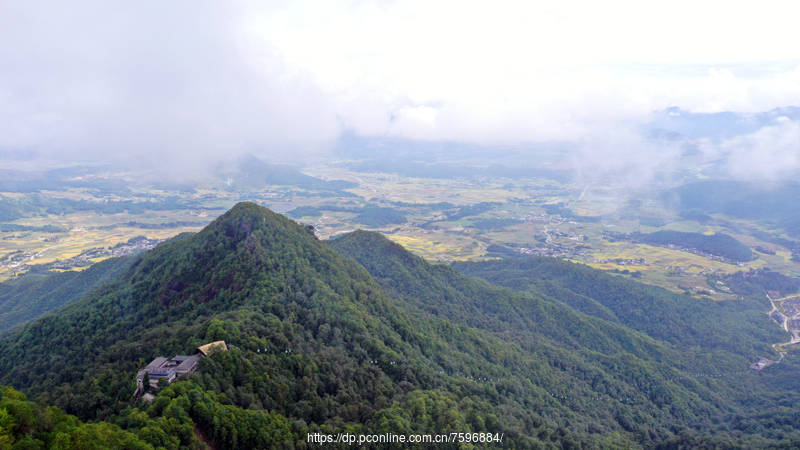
(360,336)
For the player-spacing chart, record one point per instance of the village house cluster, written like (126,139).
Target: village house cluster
(623,261)
(21,261)
(553,252)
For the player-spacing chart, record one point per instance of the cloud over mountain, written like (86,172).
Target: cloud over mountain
(180,83)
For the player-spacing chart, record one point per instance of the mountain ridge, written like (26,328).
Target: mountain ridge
(322,345)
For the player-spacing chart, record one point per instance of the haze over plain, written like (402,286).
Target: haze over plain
(193,82)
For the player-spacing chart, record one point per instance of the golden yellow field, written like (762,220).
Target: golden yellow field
(445,248)
(82,235)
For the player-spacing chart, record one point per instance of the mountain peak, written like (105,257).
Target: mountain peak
(246,217)
(224,261)
(251,211)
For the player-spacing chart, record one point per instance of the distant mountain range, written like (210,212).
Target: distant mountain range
(721,125)
(251,172)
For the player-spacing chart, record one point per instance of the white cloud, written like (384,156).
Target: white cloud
(625,158)
(772,153)
(152,78)
(150,81)
(553,68)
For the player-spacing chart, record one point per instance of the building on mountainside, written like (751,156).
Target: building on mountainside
(211,348)
(167,369)
(762,362)
(162,368)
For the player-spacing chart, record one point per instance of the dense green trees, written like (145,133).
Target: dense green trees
(377,217)
(757,281)
(470,210)
(27,425)
(303,211)
(30,296)
(737,326)
(359,336)
(11,208)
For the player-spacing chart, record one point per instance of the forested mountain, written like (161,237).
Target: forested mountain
(443,292)
(759,282)
(34,295)
(738,326)
(689,327)
(27,425)
(359,336)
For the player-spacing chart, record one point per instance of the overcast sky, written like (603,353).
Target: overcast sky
(151,78)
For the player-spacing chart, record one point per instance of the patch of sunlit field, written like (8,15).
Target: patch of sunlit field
(421,190)
(71,194)
(83,233)
(91,219)
(181,216)
(395,187)
(657,277)
(328,171)
(521,234)
(431,193)
(662,257)
(695,284)
(780,261)
(512,210)
(37,221)
(74,244)
(609,265)
(593,208)
(439,246)
(14,195)
(658,258)
(687,226)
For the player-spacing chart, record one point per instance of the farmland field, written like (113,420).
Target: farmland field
(446,219)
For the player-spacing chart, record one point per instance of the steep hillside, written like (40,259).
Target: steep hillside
(318,345)
(736,326)
(546,320)
(33,295)
(27,425)
(446,293)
